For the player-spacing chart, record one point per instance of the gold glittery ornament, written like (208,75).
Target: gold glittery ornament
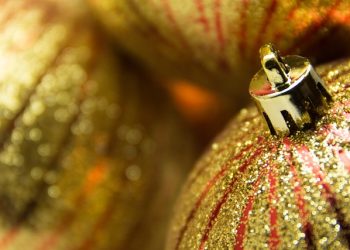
(85,145)
(252,190)
(211,42)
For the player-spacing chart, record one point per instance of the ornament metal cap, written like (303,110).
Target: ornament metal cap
(288,92)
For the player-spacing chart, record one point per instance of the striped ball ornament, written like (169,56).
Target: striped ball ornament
(211,42)
(251,190)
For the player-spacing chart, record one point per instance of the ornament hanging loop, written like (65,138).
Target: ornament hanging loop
(274,67)
(288,92)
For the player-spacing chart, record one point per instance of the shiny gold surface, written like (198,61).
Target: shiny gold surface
(251,190)
(288,92)
(276,70)
(85,148)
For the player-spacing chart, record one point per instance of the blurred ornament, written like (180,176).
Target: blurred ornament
(252,190)
(211,42)
(85,144)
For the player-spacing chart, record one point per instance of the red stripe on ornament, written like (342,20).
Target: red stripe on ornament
(204,193)
(215,212)
(265,23)
(220,35)
(300,201)
(202,17)
(274,237)
(241,229)
(218,24)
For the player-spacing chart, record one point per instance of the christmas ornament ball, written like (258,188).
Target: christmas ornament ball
(211,42)
(252,190)
(85,146)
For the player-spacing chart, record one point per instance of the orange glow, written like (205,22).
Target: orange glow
(95,176)
(194,102)
(340,17)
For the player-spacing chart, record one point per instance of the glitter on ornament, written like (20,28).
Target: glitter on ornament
(253,190)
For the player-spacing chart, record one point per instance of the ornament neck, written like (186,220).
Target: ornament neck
(288,92)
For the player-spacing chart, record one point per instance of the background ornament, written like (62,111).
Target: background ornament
(212,42)
(86,149)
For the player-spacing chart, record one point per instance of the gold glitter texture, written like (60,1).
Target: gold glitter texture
(251,190)
(82,139)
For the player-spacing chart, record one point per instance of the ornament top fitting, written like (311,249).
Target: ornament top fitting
(288,92)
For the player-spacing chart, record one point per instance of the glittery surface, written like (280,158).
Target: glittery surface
(251,190)
(215,42)
(85,147)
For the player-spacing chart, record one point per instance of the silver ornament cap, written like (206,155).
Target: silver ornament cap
(288,92)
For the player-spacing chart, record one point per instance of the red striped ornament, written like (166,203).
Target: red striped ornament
(211,42)
(252,190)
